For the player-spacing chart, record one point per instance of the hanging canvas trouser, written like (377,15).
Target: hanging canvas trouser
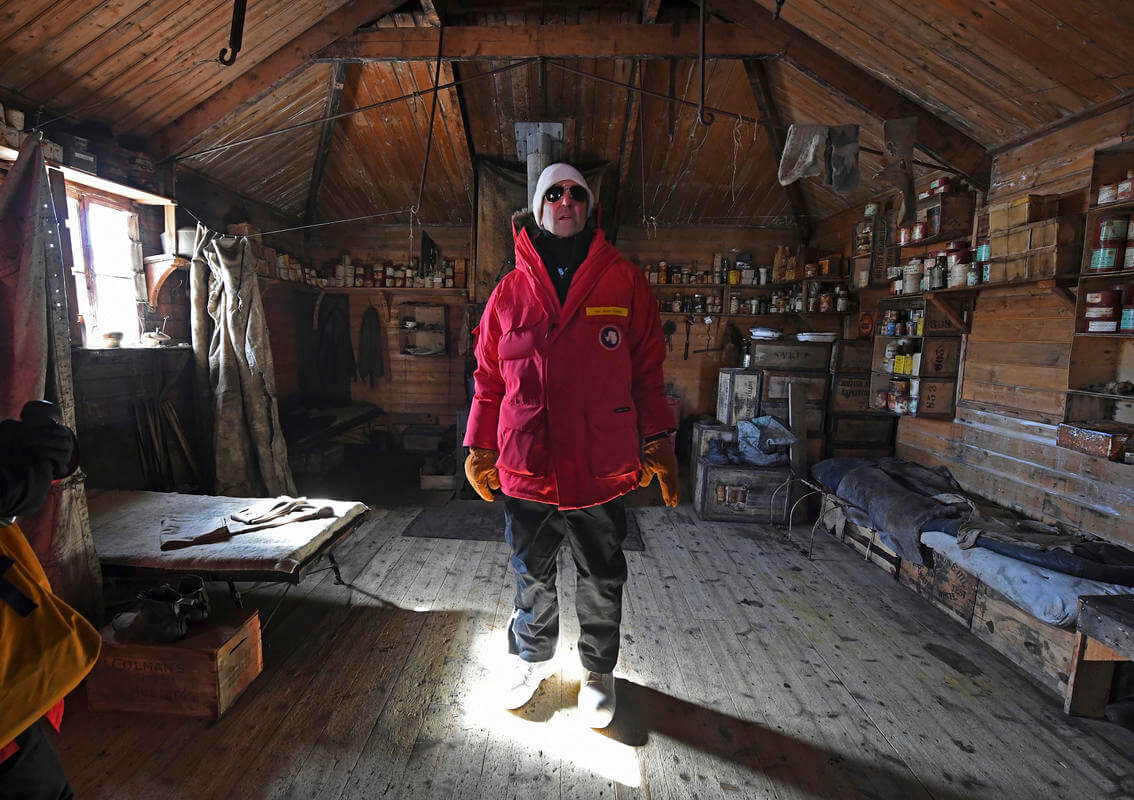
(535,532)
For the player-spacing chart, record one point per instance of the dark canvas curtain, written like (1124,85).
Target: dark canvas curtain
(236,381)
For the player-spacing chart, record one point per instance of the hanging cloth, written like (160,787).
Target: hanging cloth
(842,159)
(370,363)
(234,363)
(803,152)
(334,362)
(35,359)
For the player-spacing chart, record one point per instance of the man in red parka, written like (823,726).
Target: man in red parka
(569,415)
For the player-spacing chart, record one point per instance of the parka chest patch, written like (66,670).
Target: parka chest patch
(610,337)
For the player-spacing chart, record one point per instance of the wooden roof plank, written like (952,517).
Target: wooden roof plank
(762,91)
(936,136)
(260,78)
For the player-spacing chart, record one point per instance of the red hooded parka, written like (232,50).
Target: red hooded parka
(565,394)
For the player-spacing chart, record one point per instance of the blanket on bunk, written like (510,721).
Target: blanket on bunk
(1047,594)
(900,500)
(900,497)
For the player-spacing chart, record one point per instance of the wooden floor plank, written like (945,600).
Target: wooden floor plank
(747,671)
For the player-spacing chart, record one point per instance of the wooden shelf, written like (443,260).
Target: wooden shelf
(362,290)
(1120,275)
(1110,208)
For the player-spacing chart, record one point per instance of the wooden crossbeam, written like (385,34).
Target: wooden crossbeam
(590,40)
(258,80)
(334,97)
(761,88)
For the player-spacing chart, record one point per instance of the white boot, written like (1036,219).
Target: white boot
(522,678)
(596,699)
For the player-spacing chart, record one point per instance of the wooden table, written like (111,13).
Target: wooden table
(1105,635)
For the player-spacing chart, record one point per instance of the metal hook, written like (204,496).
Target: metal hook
(779,5)
(235,34)
(705,117)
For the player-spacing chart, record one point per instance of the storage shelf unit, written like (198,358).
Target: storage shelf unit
(932,378)
(1101,362)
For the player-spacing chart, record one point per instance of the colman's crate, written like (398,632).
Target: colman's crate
(738,394)
(198,676)
(738,493)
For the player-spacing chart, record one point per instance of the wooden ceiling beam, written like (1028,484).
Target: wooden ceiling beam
(334,98)
(588,40)
(629,137)
(935,136)
(261,78)
(757,72)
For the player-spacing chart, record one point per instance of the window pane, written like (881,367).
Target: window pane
(75,232)
(111,250)
(117,309)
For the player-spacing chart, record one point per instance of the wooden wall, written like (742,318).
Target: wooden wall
(422,385)
(1013,393)
(371,244)
(694,379)
(418,385)
(110,385)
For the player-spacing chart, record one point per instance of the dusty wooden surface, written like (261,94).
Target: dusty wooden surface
(746,671)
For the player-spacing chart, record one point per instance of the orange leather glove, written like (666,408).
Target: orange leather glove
(659,459)
(480,469)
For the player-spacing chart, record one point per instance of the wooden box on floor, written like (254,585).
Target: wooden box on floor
(738,492)
(706,432)
(198,676)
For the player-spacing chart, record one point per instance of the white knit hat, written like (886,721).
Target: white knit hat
(551,175)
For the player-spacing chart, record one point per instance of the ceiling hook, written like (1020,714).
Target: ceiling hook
(235,34)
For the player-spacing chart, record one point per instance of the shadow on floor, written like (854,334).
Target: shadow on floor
(755,748)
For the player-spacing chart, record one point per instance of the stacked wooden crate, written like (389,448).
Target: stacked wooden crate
(852,428)
(805,365)
(1029,241)
(741,491)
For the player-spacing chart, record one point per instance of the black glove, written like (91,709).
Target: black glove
(33,452)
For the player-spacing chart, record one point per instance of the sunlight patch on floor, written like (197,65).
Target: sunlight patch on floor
(549,722)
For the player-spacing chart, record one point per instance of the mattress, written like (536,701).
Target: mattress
(1044,593)
(126,529)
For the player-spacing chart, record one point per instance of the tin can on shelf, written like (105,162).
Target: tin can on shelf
(1108,193)
(1109,251)
(918,232)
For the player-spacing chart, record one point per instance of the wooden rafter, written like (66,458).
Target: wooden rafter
(935,136)
(629,137)
(334,98)
(757,72)
(260,79)
(587,40)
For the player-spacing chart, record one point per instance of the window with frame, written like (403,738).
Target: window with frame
(106,263)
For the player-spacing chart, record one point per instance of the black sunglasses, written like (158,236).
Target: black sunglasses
(577,192)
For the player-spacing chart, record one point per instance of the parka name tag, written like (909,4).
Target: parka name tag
(607,311)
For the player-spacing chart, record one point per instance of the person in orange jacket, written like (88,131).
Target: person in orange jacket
(30,456)
(569,415)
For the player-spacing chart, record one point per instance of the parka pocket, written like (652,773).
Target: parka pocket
(523,439)
(612,446)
